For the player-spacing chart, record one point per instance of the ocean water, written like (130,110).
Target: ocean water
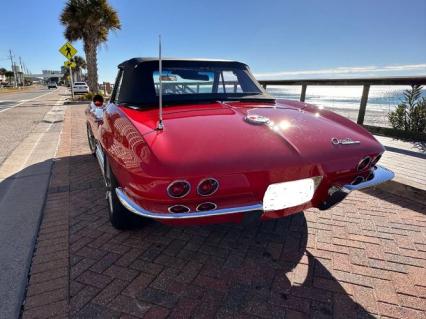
(345,100)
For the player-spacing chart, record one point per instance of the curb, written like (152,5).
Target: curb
(75,102)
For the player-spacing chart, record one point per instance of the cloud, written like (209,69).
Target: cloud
(371,71)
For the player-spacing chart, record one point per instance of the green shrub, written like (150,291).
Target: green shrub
(84,97)
(410,114)
(89,96)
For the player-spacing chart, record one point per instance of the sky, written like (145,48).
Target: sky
(278,39)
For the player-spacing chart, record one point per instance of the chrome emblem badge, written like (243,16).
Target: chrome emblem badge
(257,119)
(343,141)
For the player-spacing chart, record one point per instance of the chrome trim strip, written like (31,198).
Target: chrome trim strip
(138,210)
(381,175)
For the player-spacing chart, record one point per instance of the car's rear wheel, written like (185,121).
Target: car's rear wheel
(91,139)
(119,216)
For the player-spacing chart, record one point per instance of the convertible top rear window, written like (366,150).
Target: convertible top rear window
(204,80)
(186,81)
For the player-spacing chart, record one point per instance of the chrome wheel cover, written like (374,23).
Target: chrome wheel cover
(91,139)
(108,192)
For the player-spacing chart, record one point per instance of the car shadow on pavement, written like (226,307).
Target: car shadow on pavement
(264,269)
(278,271)
(398,200)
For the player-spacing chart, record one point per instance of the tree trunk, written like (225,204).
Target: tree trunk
(90,48)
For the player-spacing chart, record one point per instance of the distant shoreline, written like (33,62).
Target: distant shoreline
(345,100)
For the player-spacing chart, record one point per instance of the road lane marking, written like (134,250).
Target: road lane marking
(24,101)
(20,157)
(57,103)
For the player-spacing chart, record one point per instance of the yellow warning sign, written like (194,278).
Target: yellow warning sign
(70,64)
(68,50)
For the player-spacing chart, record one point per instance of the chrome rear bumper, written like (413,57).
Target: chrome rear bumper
(381,175)
(338,193)
(136,209)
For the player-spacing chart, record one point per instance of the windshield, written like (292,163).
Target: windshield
(185,81)
(205,81)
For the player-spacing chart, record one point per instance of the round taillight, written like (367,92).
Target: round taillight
(178,189)
(376,159)
(370,176)
(178,209)
(206,206)
(207,186)
(364,163)
(358,180)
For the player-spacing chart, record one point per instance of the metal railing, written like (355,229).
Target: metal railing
(365,82)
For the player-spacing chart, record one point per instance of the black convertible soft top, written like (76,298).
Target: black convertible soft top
(134,62)
(137,85)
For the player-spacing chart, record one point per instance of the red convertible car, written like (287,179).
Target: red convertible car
(202,142)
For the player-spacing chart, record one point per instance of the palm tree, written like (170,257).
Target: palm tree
(9,76)
(81,64)
(90,21)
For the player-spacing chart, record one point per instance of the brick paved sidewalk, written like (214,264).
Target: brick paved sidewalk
(364,258)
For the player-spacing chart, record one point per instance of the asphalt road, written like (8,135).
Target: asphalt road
(10,100)
(20,112)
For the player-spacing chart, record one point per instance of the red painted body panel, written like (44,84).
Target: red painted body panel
(214,140)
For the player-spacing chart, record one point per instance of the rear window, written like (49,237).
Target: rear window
(79,83)
(182,81)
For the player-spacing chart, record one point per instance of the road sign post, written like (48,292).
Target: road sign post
(72,84)
(68,51)
(71,64)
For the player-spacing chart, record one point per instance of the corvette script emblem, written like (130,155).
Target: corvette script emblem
(343,141)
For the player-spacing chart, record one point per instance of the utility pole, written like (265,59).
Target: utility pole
(13,67)
(22,79)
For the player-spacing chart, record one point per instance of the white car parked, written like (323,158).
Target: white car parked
(80,87)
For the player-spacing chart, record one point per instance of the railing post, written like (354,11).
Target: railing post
(264,85)
(303,93)
(363,104)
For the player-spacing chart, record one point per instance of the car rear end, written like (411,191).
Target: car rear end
(223,157)
(80,88)
(52,85)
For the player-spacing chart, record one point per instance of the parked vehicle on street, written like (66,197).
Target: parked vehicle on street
(80,88)
(52,85)
(202,142)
